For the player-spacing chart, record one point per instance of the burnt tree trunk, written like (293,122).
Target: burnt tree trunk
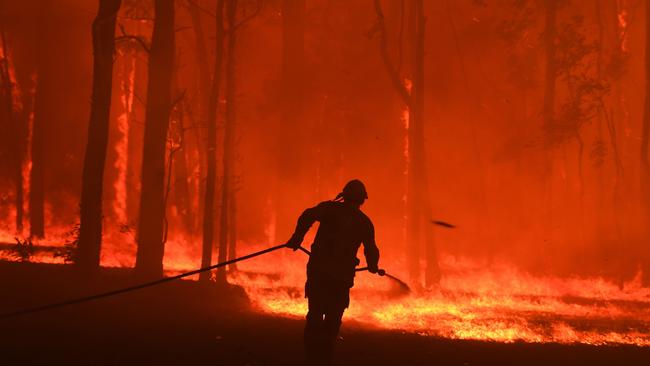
(420,168)
(645,134)
(39,125)
(615,116)
(548,116)
(16,132)
(418,202)
(90,229)
(149,257)
(601,223)
(211,181)
(232,226)
(179,169)
(645,139)
(229,141)
(181,185)
(414,209)
(551,69)
(204,94)
(290,148)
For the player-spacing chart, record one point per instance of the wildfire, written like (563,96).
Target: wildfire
(622,24)
(496,303)
(473,301)
(122,145)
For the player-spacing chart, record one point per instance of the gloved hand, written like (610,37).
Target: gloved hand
(373,268)
(293,243)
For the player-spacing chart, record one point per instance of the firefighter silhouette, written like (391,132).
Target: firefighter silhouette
(331,267)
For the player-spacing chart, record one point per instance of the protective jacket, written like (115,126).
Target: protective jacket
(343,228)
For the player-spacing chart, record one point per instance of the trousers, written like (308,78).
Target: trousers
(327,303)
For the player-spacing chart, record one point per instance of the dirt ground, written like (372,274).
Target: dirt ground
(184,323)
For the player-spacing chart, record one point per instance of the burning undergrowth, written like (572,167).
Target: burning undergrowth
(496,302)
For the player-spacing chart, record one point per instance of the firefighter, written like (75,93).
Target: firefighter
(331,267)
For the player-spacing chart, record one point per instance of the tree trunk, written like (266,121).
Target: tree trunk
(549,42)
(15,129)
(229,140)
(418,203)
(178,170)
(548,115)
(37,172)
(417,191)
(232,229)
(181,186)
(211,181)
(90,229)
(149,257)
(645,134)
(601,222)
(290,144)
(432,271)
(204,94)
(645,137)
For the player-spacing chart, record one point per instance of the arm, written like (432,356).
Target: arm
(305,221)
(370,250)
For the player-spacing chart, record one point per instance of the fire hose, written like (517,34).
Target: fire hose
(158,282)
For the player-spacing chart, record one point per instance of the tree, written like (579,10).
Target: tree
(290,146)
(203,94)
(16,131)
(203,80)
(551,72)
(645,134)
(37,172)
(227,231)
(150,251)
(90,229)
(645,139)
(210,184)
(418,203)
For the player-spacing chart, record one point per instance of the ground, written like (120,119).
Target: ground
(184,323)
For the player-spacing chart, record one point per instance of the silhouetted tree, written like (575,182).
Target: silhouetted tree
(227,191)
(645,140)
(210,184)
(150,251)
(645,134)
(203,92)
(418,203)
(12,122)
(289,144)
(551,72)
(90,230)
(37,172)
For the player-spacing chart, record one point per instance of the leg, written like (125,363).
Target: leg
(331,326)
(314,328)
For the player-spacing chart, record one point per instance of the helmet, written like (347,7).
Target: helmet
(354,191)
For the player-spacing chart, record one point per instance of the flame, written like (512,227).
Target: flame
(27,162)
(122,144)
(476,301)
(15,87)
(622,16)
(499,303)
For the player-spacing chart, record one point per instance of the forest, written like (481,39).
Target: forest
(504,145)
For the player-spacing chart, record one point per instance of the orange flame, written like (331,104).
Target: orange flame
(122,145)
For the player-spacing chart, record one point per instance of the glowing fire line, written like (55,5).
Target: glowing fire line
(474,301)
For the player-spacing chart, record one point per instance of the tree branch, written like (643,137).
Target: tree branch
(394,75)
(195,4)
(138,39)
(252,15)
